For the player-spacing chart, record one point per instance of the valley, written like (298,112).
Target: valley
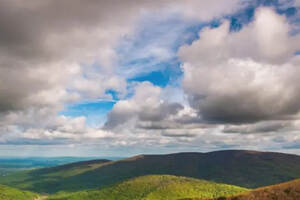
(227,174)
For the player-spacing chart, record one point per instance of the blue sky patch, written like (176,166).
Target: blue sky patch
(95,112)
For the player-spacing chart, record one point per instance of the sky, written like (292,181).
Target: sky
(127,77)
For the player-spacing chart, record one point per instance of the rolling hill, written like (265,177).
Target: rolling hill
(8,193)
(155,187)
(248,169)
(285,191)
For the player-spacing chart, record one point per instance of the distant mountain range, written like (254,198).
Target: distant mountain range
(13,164)
(250,169)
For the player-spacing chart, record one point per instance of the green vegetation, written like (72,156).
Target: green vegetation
(8,193)
(48,180)
(155,187)
(248,169)
(133,179)
(285,191)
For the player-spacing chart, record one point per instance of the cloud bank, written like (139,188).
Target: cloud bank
(235,84)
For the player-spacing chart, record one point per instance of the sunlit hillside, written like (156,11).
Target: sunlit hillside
(156,187)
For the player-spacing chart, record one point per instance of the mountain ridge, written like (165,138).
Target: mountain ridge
(250,169)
